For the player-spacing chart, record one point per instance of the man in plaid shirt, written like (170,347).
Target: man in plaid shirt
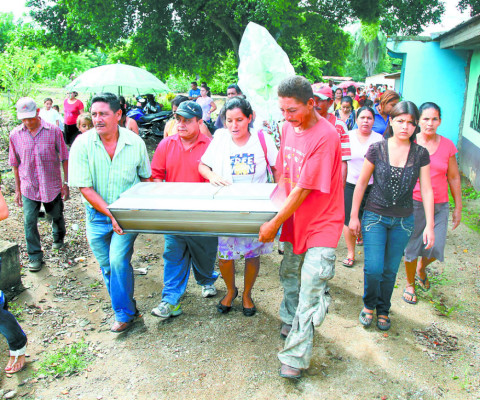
(36,151)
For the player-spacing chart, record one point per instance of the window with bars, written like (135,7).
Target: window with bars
(475,122)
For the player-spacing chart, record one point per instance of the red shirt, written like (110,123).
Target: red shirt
(438,171)
(72,111)
(172,163)
(38,160)
(312,160)
(342,131)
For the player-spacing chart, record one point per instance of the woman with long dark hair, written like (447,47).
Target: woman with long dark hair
(360,140)
(387,223)
(238,155)
(444,174)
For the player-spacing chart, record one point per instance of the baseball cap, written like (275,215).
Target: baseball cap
(26,108)
(189,109)
(323,92)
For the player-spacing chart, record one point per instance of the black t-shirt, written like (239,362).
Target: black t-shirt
(392,189)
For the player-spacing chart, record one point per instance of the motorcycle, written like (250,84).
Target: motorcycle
(153,124)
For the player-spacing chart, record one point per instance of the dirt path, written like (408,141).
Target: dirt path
(203,354)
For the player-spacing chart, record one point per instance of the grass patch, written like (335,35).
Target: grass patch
(470,210)
(68,361)
(17,310)
(436,298)
(95,285)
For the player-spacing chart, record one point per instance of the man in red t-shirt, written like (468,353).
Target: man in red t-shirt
(176,159)
(323,97)
(312,215)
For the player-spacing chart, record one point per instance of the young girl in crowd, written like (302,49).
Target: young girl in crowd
(49,114)
(387,224)
(84,122)
(346,112)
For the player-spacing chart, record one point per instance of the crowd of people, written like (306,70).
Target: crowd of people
(345,164)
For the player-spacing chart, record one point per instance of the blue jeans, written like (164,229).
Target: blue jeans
(31,209)
(114,253)
(385,239)
(10,328)
(181,253)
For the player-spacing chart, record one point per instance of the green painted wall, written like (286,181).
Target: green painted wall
(467,132)
(470,148)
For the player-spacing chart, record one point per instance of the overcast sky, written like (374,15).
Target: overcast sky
(451,18)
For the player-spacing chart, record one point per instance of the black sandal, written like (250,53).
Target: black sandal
(385,325)
(363,318)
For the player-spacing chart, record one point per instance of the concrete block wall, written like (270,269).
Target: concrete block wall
(10,265)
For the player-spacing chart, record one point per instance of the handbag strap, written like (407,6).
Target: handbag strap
(261,137)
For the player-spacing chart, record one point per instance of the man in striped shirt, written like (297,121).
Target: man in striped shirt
(105,162)
(36,150)
(323,96)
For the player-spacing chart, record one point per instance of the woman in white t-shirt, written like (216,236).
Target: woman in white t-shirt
(207,104)
(236,155)
(49,114)
(360,140)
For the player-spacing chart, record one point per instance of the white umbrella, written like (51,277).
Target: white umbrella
(118,78)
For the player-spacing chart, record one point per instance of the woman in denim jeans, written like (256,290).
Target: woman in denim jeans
(9,327)
(387,224)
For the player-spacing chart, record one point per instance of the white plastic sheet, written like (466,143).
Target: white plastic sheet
(263,65)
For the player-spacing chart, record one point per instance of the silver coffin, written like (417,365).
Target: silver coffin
(195,208)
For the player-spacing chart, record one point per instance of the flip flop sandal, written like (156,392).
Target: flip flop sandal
(363,318)
(424,283)
(383,323)
(348,262)
(411,294)
(16,354)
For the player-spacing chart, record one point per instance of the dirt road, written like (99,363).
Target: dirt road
(206,355)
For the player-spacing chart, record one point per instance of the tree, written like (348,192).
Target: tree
(19,71)
(473,5)
(194,36)
(409,17)
(7,26)
(370,46)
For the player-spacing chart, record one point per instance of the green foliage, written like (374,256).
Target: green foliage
(179,83)
(367,10)
(55,16)
(470,193)
(409,17)
(185,38)
(470,211)
(370,46)
(164,101)
(305,63)
(322,41)
(7,26)
(95,285)
(369,31)
(20,70)
(55,62)
(474,5)
(17,310)
(71,359)
(225,74)
(435,297)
